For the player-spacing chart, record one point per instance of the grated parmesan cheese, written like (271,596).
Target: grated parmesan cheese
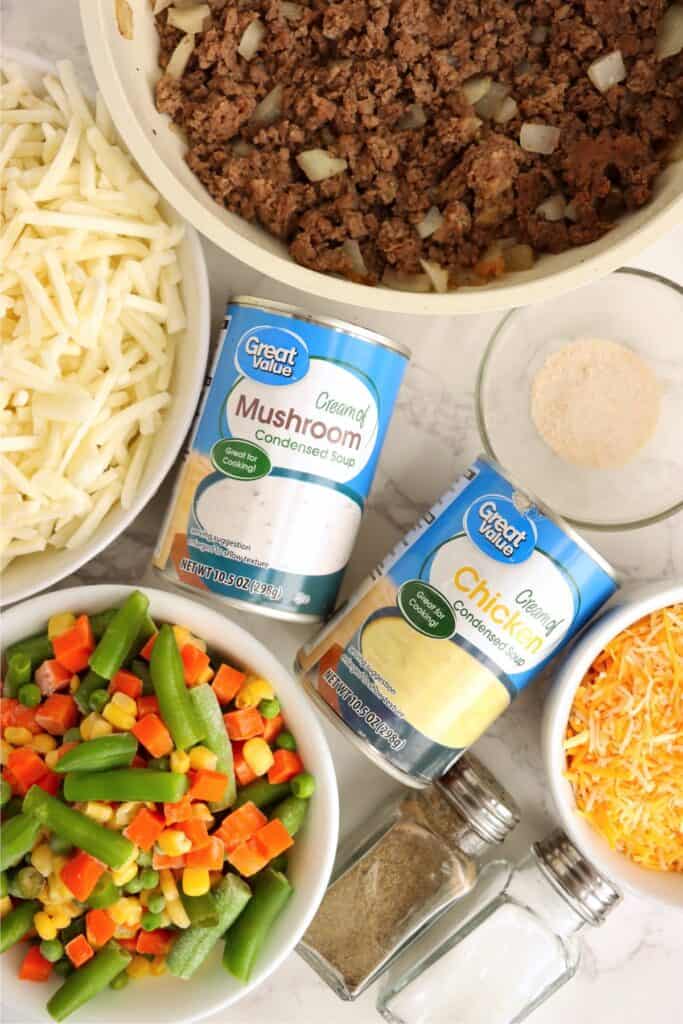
(89,306)
(624,742)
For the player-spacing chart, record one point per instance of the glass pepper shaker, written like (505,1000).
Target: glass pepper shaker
(498,964)
(405,868)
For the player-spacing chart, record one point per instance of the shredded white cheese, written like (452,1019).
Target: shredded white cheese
(89,306)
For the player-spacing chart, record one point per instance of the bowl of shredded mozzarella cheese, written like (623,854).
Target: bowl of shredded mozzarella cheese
(104,328)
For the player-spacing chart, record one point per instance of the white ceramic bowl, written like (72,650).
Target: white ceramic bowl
(126,71)
(665,887)
(167,1000)
(31,573)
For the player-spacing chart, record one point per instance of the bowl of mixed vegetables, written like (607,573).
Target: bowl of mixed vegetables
(169,808)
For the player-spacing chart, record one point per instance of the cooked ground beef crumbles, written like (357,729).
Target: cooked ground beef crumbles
(419,108)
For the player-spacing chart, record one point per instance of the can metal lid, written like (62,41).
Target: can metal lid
(480,798)
(588,892)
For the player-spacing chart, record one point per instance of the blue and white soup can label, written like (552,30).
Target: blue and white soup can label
(459,618)
(270,497)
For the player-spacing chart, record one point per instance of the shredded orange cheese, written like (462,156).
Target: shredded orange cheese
(624,741)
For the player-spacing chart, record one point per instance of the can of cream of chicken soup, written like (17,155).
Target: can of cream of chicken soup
(459,618)
(270,496)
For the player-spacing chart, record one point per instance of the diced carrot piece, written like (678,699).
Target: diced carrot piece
(243,773)
(274,838)
(64,749)
(74,647)
(130,944)
(272,727)
(196,832)
(286,764)
(25,767)
(145,828)
(163,860)
(7,706)
(8,777)
(81,874)
(126,682)
(206,785)
(180,811)
(146,651)
(24,718)
(227,682)
(153,735)
(57,714)
(240,825)
(34,966)
(210,857)
(50,782)
(99,927)
(155,943)
(52,676)
(248,858)
(79,951)
(195,661)
(148,705)
(76,659)
(243,724)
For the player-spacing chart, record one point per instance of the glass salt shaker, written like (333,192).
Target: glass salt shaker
(499,963)
(405,868)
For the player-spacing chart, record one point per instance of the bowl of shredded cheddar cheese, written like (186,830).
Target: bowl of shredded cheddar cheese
(613,743)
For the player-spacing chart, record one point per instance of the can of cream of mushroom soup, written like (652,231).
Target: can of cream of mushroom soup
(270,496)
(460,616)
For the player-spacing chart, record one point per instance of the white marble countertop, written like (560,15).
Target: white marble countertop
(629,968)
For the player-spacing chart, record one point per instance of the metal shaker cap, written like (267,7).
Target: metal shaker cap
(588,892)
(488,808)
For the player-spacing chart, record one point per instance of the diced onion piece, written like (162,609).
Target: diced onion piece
(431,222)
(406,282)
(607,71)
(269,109)
(318,164)
(180,57)
(491,264)
(124,19)
(519,257)
(539,34)
(414,117)
(489,105)
(670,33)
(353,251)
(553,208)
(437,274)
(291,11)
(476,88)
(252,37)
(189,19)
(570,212)
(506,111)
(539,138)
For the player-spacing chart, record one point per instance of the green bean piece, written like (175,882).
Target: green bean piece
(202,910)
(119,636)
(285,741)
(194,944)
(216,739)
(156,903)
(29,882)
(112,848)
(291,812)
(114,751)
(246,938)
(3,884)
(104,894)
(59,845)
(52,950)
(270,708)
(303,785)
(262,793)
(17,838)
(147,629)
(12,808)
(168,677)
(279,863)
(89,684)
(140,669)
(126,784)
(88,981)
(5,792)
(63,968)
(14,925)
(100,620)
(149,878)
(120,981)
(98,699)
(29,695)
(18,673)
(36,648)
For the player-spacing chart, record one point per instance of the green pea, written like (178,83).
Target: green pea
(120,981)
(145,859)
(303,785)
(29,695)
(73,735)
(63,968)
(149,878)
(285,741)
(29,882)
(134,886)
(97,700)
(58,845)
(150,922)
(5,792)
(156,903)
(52,950)
(270,708)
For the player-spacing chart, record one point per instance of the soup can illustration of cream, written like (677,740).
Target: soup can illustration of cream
(270,496)
(460,616)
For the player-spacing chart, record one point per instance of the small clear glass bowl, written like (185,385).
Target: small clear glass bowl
(636,308)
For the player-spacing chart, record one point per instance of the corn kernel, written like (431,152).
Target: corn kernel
(258,755)
(125,702)
(5,751)
(51,759)
(42,858)
(57,890)
(164,919)
(253,692)
(126,911)
(122,876)
(124,813)
(205,676)
(74,684)
(139,967)
(202,813)
(58,624)
(58,862)
(43,743)
(182,636)
(59,914)
(158,966)
(180,762)
(177,913)
(203,758)
(98,811)
(116,716)
(94,726)
(168,887)
(45,926)
(173,842)
(122,931)
(18,736)
(196,881)
(5,906)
